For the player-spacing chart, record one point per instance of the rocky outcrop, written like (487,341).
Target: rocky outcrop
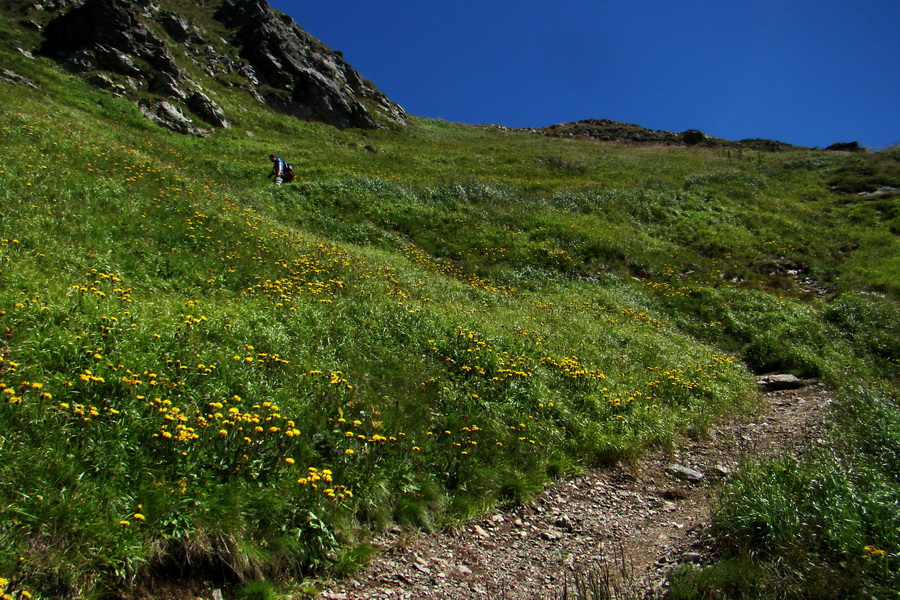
(692,137)
(127,46)
(299,75)
(113,36)
(611,131)
(846,147)
(106,34)
(14,78)
(614,131)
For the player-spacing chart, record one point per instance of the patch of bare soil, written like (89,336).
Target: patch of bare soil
(648,517)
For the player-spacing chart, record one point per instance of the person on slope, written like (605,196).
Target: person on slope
(281,170)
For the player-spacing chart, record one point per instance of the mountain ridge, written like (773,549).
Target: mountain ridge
(607,130)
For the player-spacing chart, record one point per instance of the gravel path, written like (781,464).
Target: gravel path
(647,517)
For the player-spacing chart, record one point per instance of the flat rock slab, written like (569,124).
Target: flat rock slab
(783,381)
(683,472)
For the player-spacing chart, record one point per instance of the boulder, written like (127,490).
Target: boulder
(683,472)
(176,26)
(208,110)
(692,137)
(113,59)
(168,115)
(165,84)
(780,381)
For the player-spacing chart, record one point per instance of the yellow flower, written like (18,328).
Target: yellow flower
(139,517)
(348,451)
(124,523)
(289,461)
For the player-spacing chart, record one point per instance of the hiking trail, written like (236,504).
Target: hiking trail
(648,516)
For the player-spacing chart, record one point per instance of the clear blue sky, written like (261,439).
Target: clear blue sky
(805,72)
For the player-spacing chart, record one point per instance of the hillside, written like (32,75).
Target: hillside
(211,380)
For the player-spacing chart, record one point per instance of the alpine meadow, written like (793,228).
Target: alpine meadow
(205,377)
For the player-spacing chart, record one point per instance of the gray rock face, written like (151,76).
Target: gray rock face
(299,75)
(281,64)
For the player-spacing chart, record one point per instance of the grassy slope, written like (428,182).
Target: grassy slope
(213,371)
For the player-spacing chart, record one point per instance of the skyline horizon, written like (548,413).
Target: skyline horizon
(800,74)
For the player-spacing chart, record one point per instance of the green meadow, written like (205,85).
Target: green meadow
(207,377)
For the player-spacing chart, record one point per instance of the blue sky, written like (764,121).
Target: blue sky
(805,72)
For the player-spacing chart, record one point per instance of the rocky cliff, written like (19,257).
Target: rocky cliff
(297,74)
(171,63)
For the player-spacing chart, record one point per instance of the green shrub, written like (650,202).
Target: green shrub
(822,525)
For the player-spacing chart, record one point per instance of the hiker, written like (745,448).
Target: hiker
(281,169)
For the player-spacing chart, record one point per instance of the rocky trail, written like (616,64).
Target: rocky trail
(637,520)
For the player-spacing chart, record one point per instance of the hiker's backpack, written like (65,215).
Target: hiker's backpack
(288,172)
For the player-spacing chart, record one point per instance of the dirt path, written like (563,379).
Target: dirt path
(653,516)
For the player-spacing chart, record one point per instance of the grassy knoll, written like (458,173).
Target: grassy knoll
(207,376)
